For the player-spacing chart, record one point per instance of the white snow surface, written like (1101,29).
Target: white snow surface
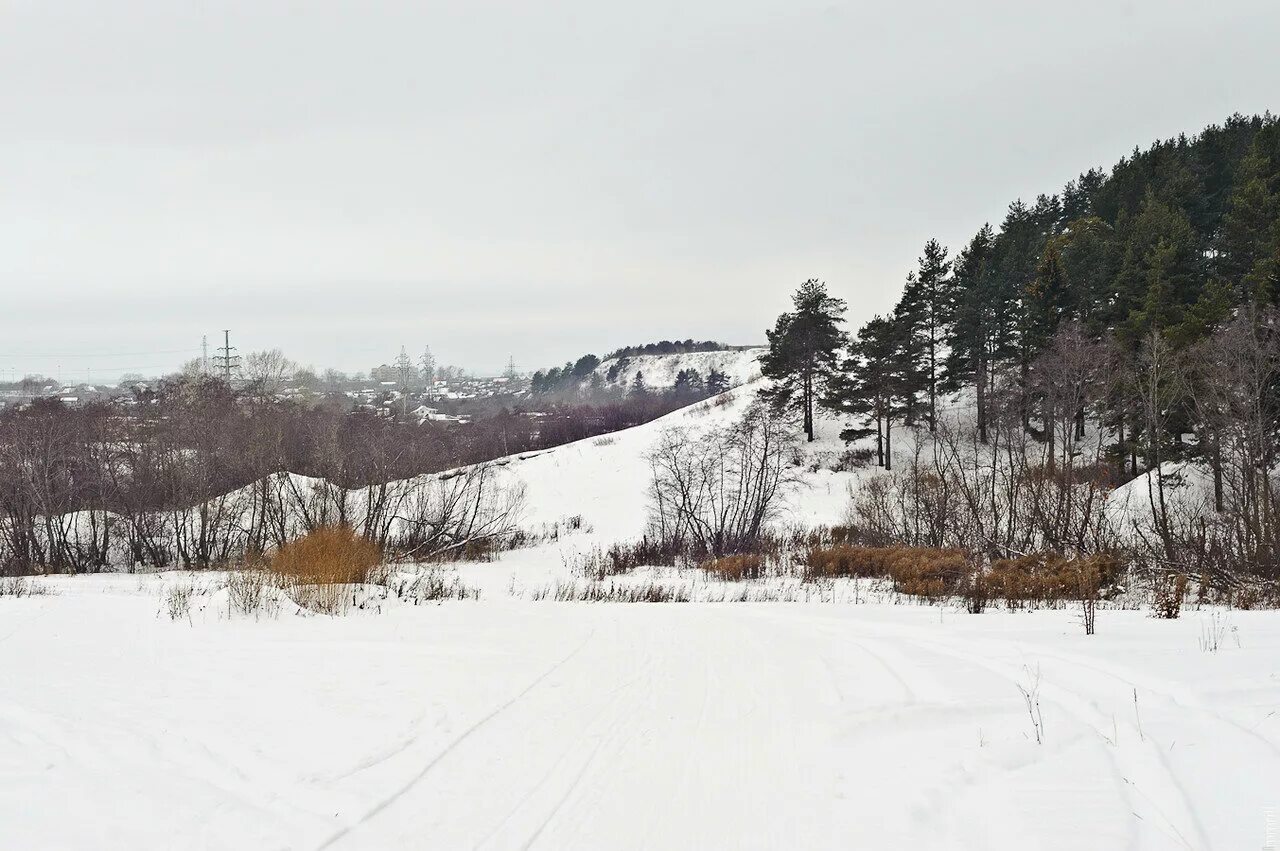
(508,723)
(846,719)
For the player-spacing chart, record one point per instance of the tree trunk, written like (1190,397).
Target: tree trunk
(879,441)
(888,443)
(808,406)
(981,382)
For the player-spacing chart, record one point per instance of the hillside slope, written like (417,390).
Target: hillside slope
(659,371)
(604,479)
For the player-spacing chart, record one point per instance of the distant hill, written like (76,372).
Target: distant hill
(740,365)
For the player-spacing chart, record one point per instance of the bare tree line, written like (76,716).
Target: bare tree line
(192,475)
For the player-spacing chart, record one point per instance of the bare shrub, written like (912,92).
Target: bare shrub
(432,586)
(468,515)
(992,488)
(1254,595)
(1169,593)
(177,600)
(854,458)
(713,492)
(249,592)
(1088,581)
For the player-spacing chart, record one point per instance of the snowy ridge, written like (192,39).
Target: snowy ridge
(740,365)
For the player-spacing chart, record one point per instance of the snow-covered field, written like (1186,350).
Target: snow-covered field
(506,723)
(513,722)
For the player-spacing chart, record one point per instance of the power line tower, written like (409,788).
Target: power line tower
(204,354)
(227,362)
(510,374)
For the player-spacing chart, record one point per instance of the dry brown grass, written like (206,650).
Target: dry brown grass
(318,569)
(1049,579)
(930,574)
(919,571)
(735,568)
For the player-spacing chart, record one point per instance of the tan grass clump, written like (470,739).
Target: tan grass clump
(736,568)
(318,569)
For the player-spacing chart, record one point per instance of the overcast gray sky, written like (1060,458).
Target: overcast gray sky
(542,179)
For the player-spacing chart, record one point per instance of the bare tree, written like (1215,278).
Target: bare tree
(267,370)
(468,511)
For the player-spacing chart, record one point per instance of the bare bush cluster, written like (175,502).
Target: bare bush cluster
(712,493)
(431,586)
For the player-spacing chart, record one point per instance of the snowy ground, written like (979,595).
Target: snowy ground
(506,723)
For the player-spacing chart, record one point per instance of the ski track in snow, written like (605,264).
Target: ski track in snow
(470,731)
(646,726)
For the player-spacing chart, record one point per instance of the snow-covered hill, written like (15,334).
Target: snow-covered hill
(740,365)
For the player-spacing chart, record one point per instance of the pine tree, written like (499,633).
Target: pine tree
(1089,262)
(925,313)
(717,382)
(803,350)
(877,381)
(584,366)
(1047,297)
(1250,238)
(972,318)
(1158,235)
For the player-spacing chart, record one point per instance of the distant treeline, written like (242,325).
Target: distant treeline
(667,347)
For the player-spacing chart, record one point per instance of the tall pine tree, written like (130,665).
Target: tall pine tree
(925,313)
(803,351)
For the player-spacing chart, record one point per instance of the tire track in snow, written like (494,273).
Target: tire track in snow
(426,769)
